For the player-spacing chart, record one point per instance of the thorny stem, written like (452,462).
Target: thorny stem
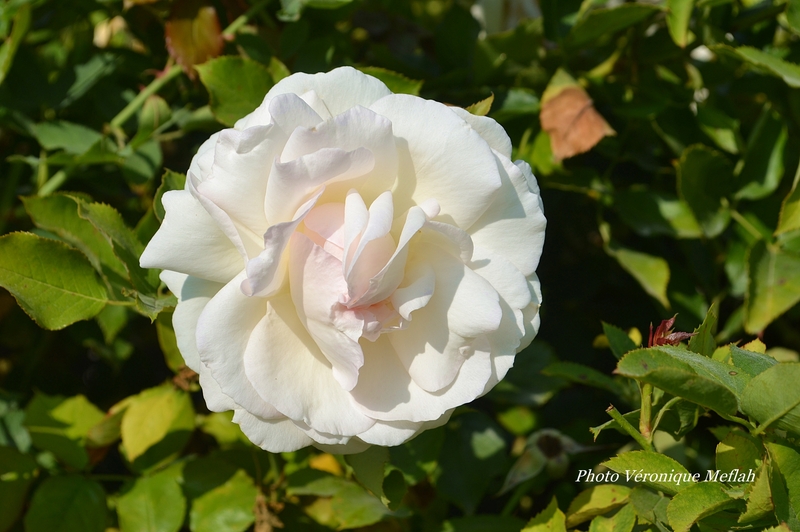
(627,427)
(646,413)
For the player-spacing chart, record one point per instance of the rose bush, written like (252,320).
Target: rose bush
(351,264)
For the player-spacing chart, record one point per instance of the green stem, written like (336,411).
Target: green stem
(627,427)
(138,101)
(741,220)
(241,20)
(663,411)
(646,413)
(55,182)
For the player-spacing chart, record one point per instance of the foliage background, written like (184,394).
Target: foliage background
(691,207)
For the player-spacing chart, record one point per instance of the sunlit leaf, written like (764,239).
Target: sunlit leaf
(774,285)
(236,86)
(52,282)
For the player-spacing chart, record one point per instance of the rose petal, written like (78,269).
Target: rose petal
(464,306)
(223,330)
(416,290)
(291,183)
(238,180)
(386,392)
(317,284)
(295,376)
(267,271)
(355,128)
(340,89)
(492,132)
(189,241)
(204,158)
(273,435)
(285,111)
(515,215)
(437,149)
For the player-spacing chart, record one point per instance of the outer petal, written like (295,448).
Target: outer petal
(189,241)
(437,149)
(340,89)
(223,331)
(515,216)
(193,295)
(296,377)
(204,158)
(239,176)
(489,129)
(273,435)
(387,393)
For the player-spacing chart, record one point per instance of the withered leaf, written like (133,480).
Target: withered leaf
(193,33)
(572,122)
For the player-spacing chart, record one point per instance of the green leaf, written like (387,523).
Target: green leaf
(153,504)
(111,320)
(58,213)
(60,425)
(774,285)
(236,86)
(354,507)
(397,83)
(600,22)
(473,438)
(651,272)
(771,64)
(793,15)
(695,502)
(581,374)
(482,107)
(694,377)
(516,103)
(224,430)
(703,340)
(594,501)
(763,161)
(291,9)
(52,282)
(618,340)
(786,482)
(551,519)
(656,470)
(17,473)
(652,213)
(737,451)
(722,129)
(650,507)
(369,467)
(156,425)
(752,363)
(60,134)
(141,165)
(773,398)
(482,523)
(168,342)
(680,12)
(622,521)
(169,181)
(227,508)
(530,463)
(67,503)
(789,219)
(126,244)
(705,178)
(759,497)
(22,21)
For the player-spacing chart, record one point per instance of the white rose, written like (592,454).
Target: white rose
(351,264)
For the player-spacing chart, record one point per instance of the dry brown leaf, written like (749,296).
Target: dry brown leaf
(572,122)
(193,33)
